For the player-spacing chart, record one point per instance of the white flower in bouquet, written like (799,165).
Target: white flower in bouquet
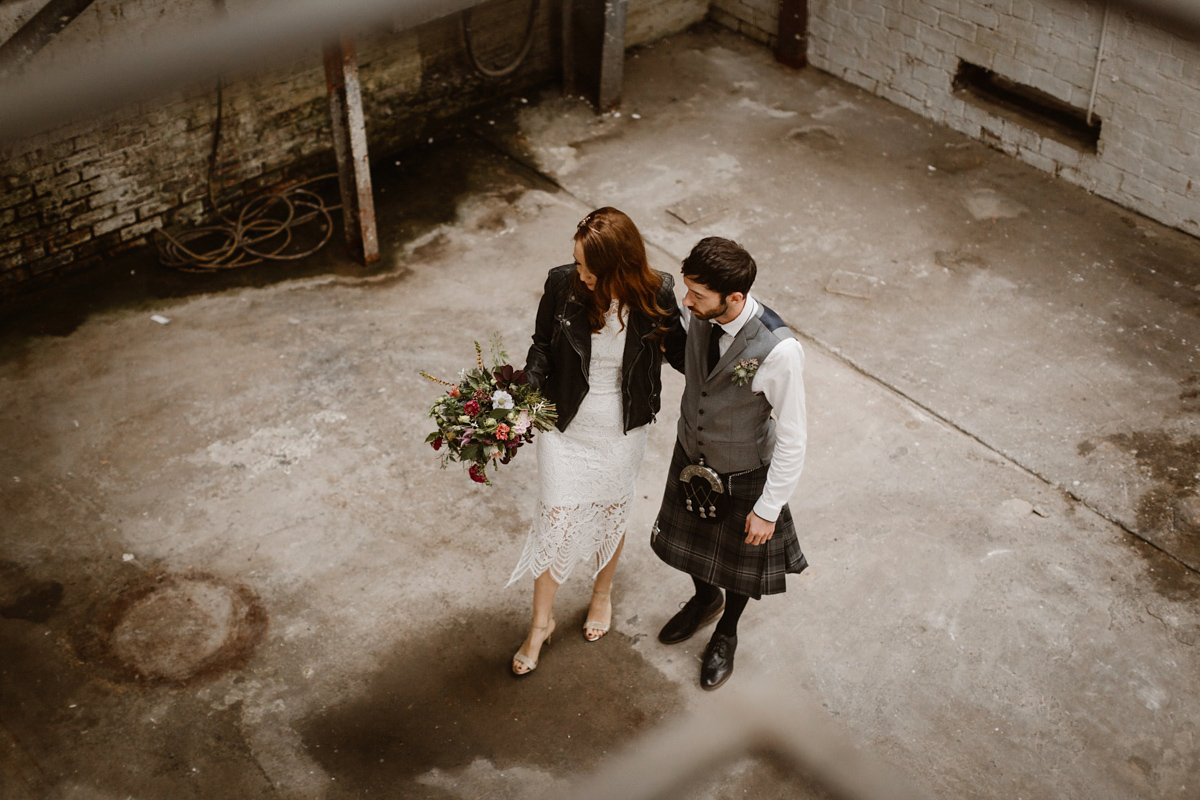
(480,434)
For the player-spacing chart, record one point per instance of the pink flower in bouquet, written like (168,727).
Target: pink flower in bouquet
(481,395)
(454,392)
(502,432)
(522,424)
(471,408)
(476,474)
(437,443)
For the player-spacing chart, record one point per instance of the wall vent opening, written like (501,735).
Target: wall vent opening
(1026,106)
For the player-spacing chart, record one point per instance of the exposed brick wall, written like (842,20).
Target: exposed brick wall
(649,20)
(758,19)
(1148,98)
(92,189)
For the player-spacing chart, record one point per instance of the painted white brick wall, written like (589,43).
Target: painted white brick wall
(908,51)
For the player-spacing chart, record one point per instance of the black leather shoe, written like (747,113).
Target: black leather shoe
(680,627)
(718,661)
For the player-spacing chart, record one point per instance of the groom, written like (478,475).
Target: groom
(742,435)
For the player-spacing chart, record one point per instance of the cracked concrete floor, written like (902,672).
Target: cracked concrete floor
(239,504)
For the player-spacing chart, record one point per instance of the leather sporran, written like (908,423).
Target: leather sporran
(704,492)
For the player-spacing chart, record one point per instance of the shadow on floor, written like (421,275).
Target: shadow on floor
(447,700)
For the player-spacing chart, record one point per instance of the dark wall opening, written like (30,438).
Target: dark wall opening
(1027,106)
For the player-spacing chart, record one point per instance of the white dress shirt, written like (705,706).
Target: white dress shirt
(780,379)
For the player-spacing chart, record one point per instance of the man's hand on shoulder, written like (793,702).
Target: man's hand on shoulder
(758,530)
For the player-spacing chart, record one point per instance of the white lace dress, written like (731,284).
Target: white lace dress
(587,475)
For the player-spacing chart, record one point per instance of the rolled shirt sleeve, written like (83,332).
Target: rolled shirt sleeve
(781,381)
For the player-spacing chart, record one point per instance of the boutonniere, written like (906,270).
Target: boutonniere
(744,370)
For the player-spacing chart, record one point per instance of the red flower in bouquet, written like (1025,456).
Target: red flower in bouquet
(487,415)
(506,376)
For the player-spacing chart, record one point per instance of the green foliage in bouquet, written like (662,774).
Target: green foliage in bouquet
(488,415)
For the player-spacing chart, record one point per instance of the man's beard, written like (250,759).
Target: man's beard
(707,317)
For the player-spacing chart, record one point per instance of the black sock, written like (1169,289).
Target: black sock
(706,592)
(735,604)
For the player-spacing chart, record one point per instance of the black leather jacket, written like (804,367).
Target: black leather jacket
(558,359)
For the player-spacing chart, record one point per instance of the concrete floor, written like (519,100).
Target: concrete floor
(998,502)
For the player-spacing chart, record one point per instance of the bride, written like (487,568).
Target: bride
(603,325)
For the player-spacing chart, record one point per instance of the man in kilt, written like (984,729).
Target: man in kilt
(740,450)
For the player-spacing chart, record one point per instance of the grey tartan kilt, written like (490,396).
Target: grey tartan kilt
(716,552)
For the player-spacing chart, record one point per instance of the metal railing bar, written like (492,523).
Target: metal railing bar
(792,730)
(268,35)
(260,37)
(37,32)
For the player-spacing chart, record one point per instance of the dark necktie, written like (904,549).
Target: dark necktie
(714,346)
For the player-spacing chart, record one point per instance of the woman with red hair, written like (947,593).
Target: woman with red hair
(603,326)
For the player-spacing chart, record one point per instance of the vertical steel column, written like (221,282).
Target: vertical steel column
(350,147)
(568,48)
(612,56)
(594,50)
(791,46)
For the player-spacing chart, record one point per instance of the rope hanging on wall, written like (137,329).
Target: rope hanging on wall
(465,25)
(262,230)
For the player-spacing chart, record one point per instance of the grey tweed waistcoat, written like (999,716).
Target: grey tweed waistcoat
(728,425)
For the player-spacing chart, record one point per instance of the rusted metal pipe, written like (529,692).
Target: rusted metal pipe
(350,147)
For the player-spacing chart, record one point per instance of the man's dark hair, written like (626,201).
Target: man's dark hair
(722,265)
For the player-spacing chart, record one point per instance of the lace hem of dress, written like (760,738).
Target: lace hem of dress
(565,536)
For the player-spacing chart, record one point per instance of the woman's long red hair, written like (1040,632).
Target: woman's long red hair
(615,253)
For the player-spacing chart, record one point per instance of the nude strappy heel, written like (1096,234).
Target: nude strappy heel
(592,626)
(522,660)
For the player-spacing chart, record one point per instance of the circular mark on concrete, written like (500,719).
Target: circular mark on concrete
(178,629)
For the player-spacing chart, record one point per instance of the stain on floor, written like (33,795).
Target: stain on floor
(65,732)
(23,596)
(1174,465)
(1189,395)
(176,629)
(1168,513)
(447,700)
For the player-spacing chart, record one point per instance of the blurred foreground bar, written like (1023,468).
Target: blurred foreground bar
(792,733)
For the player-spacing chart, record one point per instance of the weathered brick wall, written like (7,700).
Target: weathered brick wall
(1148,99)
(92,189)
(649,20)
(758,19)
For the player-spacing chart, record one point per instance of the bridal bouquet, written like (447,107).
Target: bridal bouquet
(487,415)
